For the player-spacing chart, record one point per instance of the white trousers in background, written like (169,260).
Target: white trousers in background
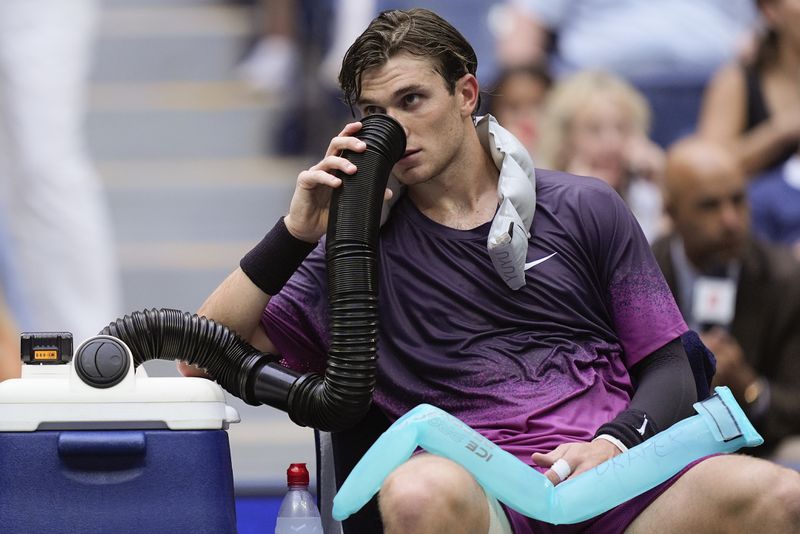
(60,237)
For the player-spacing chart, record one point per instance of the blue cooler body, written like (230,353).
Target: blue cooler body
(148,455)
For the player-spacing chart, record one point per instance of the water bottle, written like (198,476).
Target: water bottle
(298,513)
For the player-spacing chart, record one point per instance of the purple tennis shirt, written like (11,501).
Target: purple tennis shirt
(529,369)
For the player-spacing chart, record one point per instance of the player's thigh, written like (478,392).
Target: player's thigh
(713,496)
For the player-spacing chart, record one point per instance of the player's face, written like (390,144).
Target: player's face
(408,89)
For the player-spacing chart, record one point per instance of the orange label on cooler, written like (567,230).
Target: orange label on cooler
(45,355)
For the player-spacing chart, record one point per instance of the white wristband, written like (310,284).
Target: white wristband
(617,443)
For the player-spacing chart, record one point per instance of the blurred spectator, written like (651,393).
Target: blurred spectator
(60,236)
(667,48)
(273,63)
(516,100)
(755,106)
(350,18)
(775,201)
(292,37)
(286,33)
(9,344)
(595,124)
(741,293)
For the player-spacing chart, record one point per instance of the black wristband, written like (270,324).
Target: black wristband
(275,258)
(631,427)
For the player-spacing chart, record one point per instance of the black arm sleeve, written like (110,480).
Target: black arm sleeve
(665,392)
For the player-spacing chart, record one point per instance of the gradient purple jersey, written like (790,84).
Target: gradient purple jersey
(529,369)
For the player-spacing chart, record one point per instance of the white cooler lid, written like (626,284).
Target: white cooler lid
(49,397)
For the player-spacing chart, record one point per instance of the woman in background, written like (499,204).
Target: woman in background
(595,124)
(516,101)
(754,106)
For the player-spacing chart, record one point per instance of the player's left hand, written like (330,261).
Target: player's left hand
(579,456)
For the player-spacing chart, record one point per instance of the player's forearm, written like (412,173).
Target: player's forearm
(665,393)
(240,299)
(237,303)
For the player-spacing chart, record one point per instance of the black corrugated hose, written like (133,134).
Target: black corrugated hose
(342,397)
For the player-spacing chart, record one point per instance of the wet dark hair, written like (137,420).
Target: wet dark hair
(419,32)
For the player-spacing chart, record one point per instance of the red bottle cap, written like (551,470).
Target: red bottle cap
(297,475)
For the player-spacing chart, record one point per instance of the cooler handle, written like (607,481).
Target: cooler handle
(101,443)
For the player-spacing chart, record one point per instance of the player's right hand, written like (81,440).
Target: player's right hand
(308,211)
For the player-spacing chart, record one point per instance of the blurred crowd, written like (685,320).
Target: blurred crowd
(689,109)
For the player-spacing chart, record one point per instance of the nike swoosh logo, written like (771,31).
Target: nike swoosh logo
(640,430)
(540,260)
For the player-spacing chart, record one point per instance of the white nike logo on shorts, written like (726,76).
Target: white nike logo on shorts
(540,260)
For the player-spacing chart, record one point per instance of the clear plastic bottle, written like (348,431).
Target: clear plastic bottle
(298,513)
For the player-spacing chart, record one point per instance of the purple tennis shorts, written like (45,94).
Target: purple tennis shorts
(614,521)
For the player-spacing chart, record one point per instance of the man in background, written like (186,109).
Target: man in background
(740,293)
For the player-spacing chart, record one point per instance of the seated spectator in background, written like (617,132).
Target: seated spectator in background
(516,101)
(667,48)
(284,63)
(742,294)
(754,106)
(273,64)
(595,124)
(775,201)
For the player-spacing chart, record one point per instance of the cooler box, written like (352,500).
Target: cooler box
(144,455)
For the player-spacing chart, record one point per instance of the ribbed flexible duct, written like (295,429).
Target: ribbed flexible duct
(342,397)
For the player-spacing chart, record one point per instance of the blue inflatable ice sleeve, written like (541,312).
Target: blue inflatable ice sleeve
(719,427)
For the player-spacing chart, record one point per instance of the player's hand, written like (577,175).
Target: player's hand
(308,212)
(187,369)
(579,456)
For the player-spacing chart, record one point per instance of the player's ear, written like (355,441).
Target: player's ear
(467,90)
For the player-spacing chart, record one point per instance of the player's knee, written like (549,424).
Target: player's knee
(785,495)
(772,498)
(749,491)
(404,499)
(411,495)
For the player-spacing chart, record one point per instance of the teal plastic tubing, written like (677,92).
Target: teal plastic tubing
(720,426)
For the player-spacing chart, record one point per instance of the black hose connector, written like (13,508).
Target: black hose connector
(343,396)
(164,334)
